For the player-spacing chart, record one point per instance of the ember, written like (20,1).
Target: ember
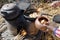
(23,32)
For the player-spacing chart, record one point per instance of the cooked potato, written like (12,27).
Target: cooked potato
(33,15)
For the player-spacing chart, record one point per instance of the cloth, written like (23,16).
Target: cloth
(57,32)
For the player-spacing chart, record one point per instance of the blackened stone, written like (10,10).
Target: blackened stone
(56,18)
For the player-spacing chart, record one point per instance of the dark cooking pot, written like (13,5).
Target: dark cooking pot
(27,13)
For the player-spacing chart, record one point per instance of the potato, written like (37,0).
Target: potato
(33,15)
